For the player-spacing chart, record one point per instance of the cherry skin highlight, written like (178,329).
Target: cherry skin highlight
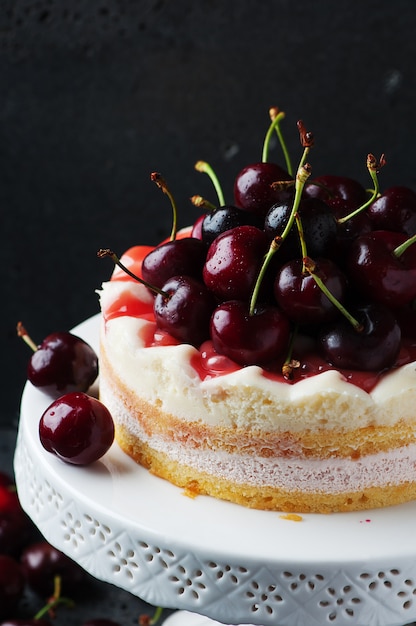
(77,428)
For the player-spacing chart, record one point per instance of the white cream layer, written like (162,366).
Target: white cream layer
(307,475)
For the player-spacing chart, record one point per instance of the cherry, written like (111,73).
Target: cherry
(26,622)
(41,563)
(249,339)
(184,309)
(180,256)
(11,585)
(299,296)
(379,272)
(196,231)
(347,230)
(225,218)
(331,188)
(373,346)
(62,363)
(77,428)
(15,526)
(233,262)
(394,209)
(254,190)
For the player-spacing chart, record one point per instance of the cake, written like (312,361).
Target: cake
(325,421)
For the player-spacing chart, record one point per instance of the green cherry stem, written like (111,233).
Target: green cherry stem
(310,266)
(54,601)
(106,252)
(301,177)
(274,113)
(373,167)
(205,168)
(403,246)
(278,117)
(161,183)
(203,203)
(22,332)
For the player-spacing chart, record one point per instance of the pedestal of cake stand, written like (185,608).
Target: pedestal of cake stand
(212,559)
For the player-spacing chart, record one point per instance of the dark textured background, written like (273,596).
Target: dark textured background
(96,94)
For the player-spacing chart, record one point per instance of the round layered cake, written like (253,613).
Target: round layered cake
(267,355)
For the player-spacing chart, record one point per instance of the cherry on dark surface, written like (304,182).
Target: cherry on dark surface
(185,314)
(233,262)
(78,428)
(394,209)
(254,190)
(330,187)
(11,585)
(41,563)
(15,526)
(373,348)
(62,363)
(378,273)
(225,218)
(246,339)
(300,297)
(178,257)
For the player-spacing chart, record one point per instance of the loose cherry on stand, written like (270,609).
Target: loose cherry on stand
(77,428)
(62,363)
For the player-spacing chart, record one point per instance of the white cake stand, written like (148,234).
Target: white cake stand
(213,560)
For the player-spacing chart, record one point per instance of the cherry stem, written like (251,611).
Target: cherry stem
(373,168)
(161,183)
(274,113)
(55,600)
(310,266)
(205,168)
(104,252)
(302,176)
(273,126)
(22,332)
(203,203)
(403,246)
(290,364)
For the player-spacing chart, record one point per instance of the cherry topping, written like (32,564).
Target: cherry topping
(224,218)
(180,256)
(299,295)
(379,272)
(373,346)
(331,188)
(254,190)
(394,209)
(249,339)
(184,312)
(77,428)
(233,262)
(62,363)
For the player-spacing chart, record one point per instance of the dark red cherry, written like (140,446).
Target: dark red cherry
(248,339)
(373,348)
(178,257)
(196,231)
(394,209)
(62,363)
(253,190)
(379,273)
(348,230)
(15,526)
(300,297)
(78,428)
(185,314)
(233,262)
(331,188)
(11,585)
(41,563)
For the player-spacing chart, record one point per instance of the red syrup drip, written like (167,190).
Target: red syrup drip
(127,304)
